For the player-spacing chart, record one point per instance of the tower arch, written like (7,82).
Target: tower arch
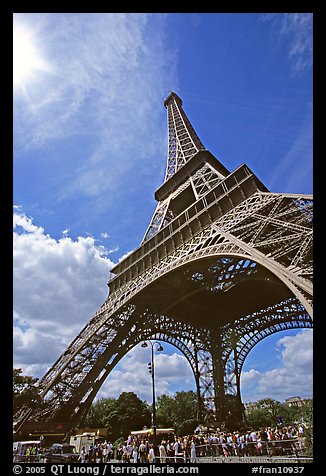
(280,371)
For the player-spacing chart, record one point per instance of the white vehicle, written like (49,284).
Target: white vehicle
(20,449)
(86,439)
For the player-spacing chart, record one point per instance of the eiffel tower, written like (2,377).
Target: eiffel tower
(223,264)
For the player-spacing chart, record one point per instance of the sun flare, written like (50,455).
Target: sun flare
(26,57)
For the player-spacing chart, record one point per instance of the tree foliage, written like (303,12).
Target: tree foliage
(119,416)
(178,412)
(126,413)
(268,410)
(101,412)
(24,390)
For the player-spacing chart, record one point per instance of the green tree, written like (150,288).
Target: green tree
(266,412)
(187,427)
(307,415)
(24,390)
(186,406)
(100,412)
(303,413)
(131,413)
(166,410)
(176,411)
(119,416)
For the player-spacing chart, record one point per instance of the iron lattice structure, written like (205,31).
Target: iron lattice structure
(223,264)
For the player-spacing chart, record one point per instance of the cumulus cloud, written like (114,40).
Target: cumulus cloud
(26,224)
(58,286)
(293,375)
(172,373)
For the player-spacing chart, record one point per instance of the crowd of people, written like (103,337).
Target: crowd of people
(269,441)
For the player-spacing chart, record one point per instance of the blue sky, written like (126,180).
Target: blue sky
(90,147)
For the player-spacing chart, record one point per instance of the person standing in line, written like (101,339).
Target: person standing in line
(229,442)
(98,454)
(193,451)
(186,450)
(178,453)
(125,454)
(259,446)
(214,444)
(169,451)
(135,453)
(151,454)
(110,451)
(142,452)
(90,454)
(129,447)
(162,452)
(82,456)
(105,452)
(253,435)
(177,450)
(28,454)
(242,444)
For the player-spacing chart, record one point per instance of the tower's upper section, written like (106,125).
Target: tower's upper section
(183,141)
(197,190)
(172,97)
(190,172)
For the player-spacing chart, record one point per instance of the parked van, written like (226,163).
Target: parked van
(86,439)
(26,451)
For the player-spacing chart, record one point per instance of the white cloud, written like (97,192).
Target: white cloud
(125,255)
(294,377)
(58,286)
(26,223)
(172,373)
(297,30)
(249,376)
(297,163)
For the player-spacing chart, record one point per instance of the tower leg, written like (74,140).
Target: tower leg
(200,403)
(218,379)
(240,413)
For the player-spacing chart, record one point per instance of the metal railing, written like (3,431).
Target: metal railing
(254,448)
(275,451)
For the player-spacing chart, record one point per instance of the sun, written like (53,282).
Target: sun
(27,59)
